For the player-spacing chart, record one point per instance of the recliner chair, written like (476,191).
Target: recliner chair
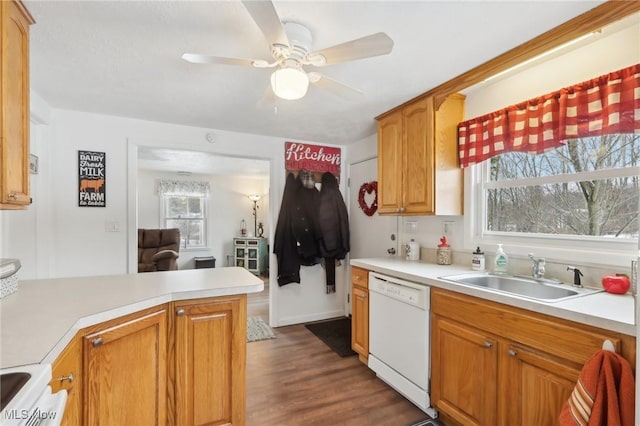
(158,249)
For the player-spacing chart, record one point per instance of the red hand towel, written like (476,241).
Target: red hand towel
(604,394)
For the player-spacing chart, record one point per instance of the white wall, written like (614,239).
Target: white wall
(227,206)
(74,241)
(600,56)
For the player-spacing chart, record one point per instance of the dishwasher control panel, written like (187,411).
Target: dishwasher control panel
(408,292)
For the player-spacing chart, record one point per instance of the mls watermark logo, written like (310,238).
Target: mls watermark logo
(32,416)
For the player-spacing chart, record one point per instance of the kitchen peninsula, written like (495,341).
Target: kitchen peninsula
(150,336)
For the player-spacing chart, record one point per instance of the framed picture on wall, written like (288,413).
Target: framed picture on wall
(92,179)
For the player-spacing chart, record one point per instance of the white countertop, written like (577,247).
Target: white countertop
(39,320)
(609,311)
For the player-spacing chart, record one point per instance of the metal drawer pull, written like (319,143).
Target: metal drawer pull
(69,378)
(12,196)
(487,344)
(97,342)
(180,312)
(511,352)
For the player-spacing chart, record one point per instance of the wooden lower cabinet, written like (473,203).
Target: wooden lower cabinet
(66,373)
(360,313)
(125,370)
(210,359)
(464,372)
(538,385)
(494,364)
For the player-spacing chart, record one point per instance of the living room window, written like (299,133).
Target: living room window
(184,206)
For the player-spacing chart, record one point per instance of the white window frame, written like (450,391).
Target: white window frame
(597,251)
(205,218)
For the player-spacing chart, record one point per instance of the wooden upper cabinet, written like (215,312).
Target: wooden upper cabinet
(125,370)
(14,105)
(390,163)
(418,171)
(417,176)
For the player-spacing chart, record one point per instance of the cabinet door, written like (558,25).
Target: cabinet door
(125,372)
(14,105)
(390,164)
(537,385)
(360,322)
(418,152)
(66,374)
(464,372)
(210,361)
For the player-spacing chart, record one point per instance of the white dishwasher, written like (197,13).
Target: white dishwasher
(399,336)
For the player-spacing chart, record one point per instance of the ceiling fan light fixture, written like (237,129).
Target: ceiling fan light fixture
(289,83)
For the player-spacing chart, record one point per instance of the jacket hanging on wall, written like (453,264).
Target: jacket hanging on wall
(333,221)
(296,234)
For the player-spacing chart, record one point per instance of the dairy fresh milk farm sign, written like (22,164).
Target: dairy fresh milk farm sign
(91,179)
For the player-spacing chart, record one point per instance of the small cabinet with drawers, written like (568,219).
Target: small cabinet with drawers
(251,253)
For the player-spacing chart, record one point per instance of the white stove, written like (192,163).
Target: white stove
(29,401)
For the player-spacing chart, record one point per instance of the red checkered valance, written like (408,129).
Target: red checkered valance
(605,105)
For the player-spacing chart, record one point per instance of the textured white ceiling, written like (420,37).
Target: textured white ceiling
(123,58)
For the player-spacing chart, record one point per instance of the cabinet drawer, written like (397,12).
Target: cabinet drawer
(359,277)
(567,339)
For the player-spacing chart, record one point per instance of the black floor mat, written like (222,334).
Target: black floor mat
(334,333)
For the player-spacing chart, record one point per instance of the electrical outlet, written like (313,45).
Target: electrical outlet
(411,227)
(448,228)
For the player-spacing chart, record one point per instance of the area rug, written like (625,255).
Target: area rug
(334,333)
(257,329)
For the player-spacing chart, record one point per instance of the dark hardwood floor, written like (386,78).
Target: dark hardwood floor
(295,379)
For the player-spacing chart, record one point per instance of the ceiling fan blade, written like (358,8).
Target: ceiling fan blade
(340,89)
(196,58)
(265,16)
(365,47)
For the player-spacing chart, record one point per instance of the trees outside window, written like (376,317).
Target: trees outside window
(587,187)
(188,213)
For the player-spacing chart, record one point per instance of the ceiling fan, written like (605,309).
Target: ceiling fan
(290,48)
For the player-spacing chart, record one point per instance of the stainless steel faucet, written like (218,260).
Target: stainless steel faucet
(537,267)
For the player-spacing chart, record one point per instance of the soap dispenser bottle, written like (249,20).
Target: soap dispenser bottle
(502,262)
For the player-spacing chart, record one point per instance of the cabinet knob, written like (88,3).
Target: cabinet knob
(12,196)
(362,297)
(97,342)
(487,344)
(180,312)
(69,377)
(512,352)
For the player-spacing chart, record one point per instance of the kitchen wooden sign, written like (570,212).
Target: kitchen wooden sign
(91,179)
(314,158)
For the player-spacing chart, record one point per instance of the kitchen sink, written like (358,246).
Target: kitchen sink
(542,290)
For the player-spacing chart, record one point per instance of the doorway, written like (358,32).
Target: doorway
(229,181)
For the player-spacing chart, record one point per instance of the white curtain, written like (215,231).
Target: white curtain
(182,187)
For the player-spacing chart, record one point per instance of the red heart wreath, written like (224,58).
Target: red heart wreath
(368,188)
